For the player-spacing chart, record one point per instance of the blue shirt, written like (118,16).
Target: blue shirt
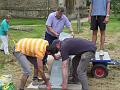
(99,7)
(4,27)
(57,24)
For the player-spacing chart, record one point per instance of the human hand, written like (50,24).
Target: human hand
(57,57)
(57,35)
(64,87)
(106,20)
(89,19)
(48,86)
(72,33)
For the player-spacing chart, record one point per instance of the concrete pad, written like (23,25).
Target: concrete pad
(105,57)
(56,74)
(55,80)
(43,87)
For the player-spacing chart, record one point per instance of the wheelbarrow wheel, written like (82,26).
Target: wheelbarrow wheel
(99,71)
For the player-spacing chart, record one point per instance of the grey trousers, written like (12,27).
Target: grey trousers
(24,62)
(80,64)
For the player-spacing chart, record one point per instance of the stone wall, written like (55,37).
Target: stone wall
(53,5)
(74,7)
(24,8)
(40,8)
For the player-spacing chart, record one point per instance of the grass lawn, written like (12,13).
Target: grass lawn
(112,29)
(8,64)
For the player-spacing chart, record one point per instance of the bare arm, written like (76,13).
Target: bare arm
(90,10)
(108,12)
(71,30)
(50,29)
(41,72)
(89,16)
(65,74)
(108,7)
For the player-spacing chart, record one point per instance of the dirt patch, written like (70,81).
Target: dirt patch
(112,45)
(111,82)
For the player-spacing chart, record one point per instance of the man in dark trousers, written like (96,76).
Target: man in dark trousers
(83,50)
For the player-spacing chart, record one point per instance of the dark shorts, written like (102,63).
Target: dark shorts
(98,21)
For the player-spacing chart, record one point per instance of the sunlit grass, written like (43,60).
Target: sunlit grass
(38,31)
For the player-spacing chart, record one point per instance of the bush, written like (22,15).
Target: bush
(115,7)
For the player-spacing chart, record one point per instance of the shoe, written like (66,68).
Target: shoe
(73,81)
(35,82)
(101,53)
(2,50)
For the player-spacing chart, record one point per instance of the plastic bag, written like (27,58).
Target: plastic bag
(6,82)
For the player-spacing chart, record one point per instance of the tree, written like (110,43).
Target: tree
(115,7)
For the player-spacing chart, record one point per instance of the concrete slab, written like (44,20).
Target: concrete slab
(55,80)
(105,57)
(56,74)
(43,87)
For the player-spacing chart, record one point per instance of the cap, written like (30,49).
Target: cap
(55,42)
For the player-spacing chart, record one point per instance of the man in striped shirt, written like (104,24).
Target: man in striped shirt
(32,50)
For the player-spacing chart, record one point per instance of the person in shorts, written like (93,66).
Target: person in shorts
(99,17)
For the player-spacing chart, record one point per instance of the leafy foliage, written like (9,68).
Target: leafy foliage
(115,7)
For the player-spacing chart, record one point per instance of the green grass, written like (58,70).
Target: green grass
(24,21)
(38,32)
(114,25)
(1,66)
